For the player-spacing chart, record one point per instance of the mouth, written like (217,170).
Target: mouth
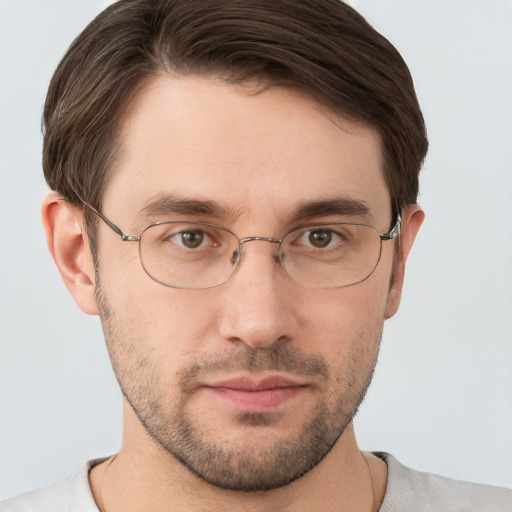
(249,394)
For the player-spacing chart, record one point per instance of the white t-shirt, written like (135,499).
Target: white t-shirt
(407,491)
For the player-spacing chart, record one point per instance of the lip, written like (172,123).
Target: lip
(249,394)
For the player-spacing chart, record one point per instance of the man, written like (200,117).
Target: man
(235,190)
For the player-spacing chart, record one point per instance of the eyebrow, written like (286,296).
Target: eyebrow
(325,207)
(166,205)
(169,204)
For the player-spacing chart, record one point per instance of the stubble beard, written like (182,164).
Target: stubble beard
(251,464)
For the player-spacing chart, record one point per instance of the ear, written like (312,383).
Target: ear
(63,224)
(411,223)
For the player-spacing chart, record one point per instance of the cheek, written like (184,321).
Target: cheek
(348,311)
(346,325)
(147,321)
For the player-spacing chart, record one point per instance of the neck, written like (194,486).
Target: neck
(144,477)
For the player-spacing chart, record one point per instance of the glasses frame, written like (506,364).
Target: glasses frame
(393,233)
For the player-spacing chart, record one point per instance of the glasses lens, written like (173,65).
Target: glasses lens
(331,256)
(189,255)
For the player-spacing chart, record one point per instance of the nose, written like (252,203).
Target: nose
(259,308)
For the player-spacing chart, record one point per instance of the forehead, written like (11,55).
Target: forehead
(258,151)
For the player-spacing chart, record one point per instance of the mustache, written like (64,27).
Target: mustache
(248,359)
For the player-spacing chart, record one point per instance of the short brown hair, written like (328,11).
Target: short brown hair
(321,46)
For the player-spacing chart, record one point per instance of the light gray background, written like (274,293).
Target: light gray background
(442,396)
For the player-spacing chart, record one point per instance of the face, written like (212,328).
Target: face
(251,383)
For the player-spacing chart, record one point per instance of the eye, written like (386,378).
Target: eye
(188,238)
(318,238)
(183,237)
(191,239)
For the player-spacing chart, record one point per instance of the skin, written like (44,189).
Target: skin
(258,156)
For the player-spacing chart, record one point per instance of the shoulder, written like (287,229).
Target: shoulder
(410,490)
(48,499)
(73,495)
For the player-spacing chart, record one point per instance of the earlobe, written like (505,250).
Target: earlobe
(63,225)
(411,222)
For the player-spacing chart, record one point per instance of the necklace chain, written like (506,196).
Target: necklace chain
(371,481)
(112,459)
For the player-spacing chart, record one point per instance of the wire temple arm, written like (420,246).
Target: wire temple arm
(111,225)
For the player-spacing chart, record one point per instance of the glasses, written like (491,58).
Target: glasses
(198,255)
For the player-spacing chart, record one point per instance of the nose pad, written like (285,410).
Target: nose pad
(235,257)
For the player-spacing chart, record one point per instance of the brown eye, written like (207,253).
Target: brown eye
(192,239)
(320,238)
